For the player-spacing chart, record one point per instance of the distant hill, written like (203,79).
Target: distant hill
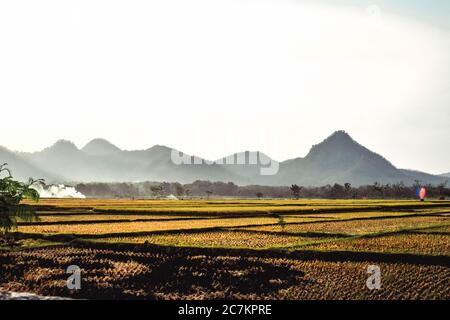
(101,161)
(337,159)
(21,169)
(248,165)
(340,159)
(422,177)
(64,157)
(100,147)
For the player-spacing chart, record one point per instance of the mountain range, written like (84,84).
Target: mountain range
(337,159)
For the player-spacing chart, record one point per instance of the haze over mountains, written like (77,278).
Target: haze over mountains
(338,159)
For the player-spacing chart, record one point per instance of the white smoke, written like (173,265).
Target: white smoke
(58,191)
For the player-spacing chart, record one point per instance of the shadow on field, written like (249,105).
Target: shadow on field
(123,271)
(304,255)
(112,274)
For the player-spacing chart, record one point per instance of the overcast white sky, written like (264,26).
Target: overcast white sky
(212,77)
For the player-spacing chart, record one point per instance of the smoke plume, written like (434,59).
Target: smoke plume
(58,191)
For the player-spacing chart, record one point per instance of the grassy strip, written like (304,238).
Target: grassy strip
(31,244)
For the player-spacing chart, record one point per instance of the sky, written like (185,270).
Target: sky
(213,77)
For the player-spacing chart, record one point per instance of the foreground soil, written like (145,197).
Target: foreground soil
(152,272)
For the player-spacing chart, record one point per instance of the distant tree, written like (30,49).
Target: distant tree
(12,192)
(208,193)
(337,191)
(179,191)
(187,193)
(295,190)
(348,187)
(158,191)
(377,188)
(259,195)
(441,190)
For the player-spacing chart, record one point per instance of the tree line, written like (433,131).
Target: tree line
(208,189)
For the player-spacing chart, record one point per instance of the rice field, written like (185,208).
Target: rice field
(143,226)
(233,249)
(218,239)
(58,218)
(180,274)
(356,227)
(233,206)
(421,243)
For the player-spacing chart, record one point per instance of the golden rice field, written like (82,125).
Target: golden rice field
(106,217)
(420,243)
(219,239)
(233,249)
(356,227)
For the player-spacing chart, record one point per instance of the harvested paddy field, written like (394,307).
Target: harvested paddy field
(249,249)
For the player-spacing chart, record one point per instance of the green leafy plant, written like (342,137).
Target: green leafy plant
(12,193)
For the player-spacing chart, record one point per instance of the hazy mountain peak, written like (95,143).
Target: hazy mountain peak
(159,148)
(62,146)
(337,159)
(100,146)
(340,134)
(341,159)
(340,137)
(21,169)
(338,142)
